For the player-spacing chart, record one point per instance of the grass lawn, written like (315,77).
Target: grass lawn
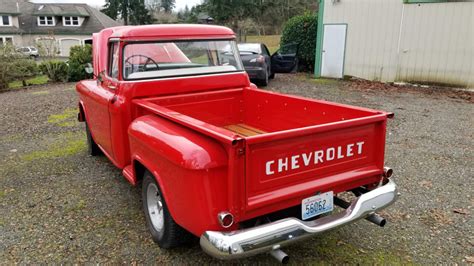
(271,41)
(38,80)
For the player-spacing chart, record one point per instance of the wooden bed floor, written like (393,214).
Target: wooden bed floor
(244,130)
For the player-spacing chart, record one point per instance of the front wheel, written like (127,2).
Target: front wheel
(164,230)
(92,147)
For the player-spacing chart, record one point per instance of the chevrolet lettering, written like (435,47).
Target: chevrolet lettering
(313,158)
(245,170)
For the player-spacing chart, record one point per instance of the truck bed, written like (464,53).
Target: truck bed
(249,112)
(294,146)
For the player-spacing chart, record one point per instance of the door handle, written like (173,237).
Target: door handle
(112,87)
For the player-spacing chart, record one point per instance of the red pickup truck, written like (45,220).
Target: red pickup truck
(246,170)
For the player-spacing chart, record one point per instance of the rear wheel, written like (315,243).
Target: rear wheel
(264,81)
(92,147)
(164,230)
(272,74)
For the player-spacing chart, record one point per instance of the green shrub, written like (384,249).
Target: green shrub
(55,70)
(302,30)
(15,66)
(24,68)
(78,58)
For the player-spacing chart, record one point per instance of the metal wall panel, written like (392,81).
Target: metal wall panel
(391,41)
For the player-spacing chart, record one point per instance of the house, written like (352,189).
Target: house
(420,41)
(53,28)
(204,18)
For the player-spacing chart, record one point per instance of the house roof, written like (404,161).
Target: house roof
(60,10)
(94,20)
(9,7)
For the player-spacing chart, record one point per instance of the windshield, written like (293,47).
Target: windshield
(179,58)
(249,48)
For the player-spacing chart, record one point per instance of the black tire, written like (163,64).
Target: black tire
(264,82)
(171,234)
(272,75)
(92,147)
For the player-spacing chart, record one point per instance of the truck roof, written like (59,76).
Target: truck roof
(172,31)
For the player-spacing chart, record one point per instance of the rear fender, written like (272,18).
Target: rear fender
(190,168)
(179,145)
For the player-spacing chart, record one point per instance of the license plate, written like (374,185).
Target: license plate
(317,205)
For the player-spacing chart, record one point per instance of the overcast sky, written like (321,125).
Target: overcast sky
(180,4)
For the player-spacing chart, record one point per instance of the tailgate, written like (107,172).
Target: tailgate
(284,167)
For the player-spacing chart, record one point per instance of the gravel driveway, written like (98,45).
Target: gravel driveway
(59,205)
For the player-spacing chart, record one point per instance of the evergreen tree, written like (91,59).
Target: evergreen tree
(132,12)
(168,5)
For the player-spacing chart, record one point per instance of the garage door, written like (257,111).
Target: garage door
(66,45)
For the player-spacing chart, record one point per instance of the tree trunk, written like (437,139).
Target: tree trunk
(125,12)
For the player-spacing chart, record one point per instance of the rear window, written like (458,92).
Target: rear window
(250,48)
(179,58)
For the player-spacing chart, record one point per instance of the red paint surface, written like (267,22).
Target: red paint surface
(175,128)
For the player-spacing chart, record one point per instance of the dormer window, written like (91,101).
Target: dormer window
(46,21)
(5,20)
(71,21)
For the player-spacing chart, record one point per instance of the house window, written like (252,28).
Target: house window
(46,21)
(6,40)
(71,21)
(5,21)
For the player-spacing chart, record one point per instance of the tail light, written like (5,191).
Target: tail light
(259,59)
(226,219)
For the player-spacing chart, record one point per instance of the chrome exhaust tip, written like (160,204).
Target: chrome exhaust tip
(280,256)
(387,172)
(226,219)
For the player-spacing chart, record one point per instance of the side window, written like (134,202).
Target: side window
(114,59)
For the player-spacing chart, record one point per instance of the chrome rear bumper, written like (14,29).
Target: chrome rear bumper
(267,237)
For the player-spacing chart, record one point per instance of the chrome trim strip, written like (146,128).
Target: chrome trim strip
(267,237)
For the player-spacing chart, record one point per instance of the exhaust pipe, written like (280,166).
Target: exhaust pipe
(376,219)
(373,218)
(387,172)
(280,256)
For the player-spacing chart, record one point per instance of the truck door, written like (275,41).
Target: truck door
(101,98)
(285,60)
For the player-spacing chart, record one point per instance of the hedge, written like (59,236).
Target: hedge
(302,30)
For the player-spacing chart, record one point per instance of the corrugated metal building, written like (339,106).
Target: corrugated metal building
(426,41)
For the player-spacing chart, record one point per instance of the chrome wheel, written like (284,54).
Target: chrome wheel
(155,207)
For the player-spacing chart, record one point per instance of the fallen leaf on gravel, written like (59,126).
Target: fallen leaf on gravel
(426,184)
(460,211)
(469,259)
(435,217)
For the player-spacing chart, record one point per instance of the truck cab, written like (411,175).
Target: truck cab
(245,170)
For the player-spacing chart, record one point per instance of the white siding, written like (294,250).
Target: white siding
(391,41)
